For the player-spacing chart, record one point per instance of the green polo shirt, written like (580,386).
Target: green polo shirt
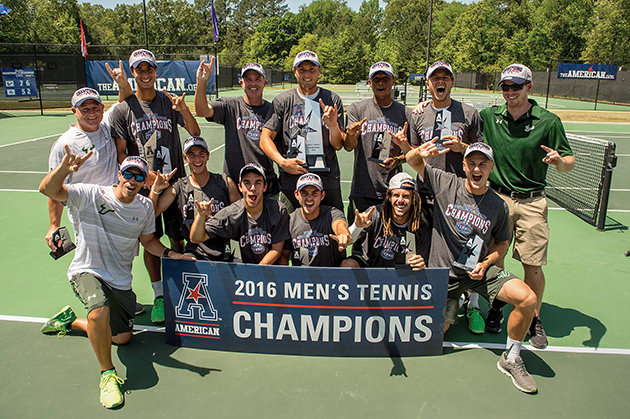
(517,144)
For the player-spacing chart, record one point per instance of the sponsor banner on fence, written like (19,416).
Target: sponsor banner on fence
(174,76)
(376,312)
(587,71)
(19,82)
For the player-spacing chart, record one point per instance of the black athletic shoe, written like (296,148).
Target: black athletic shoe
(537,335)
(139,309)
(494,320)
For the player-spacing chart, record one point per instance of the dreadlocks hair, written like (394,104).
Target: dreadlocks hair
(415,221)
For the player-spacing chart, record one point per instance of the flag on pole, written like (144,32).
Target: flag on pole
(83,43)
(215,22)
(4,10)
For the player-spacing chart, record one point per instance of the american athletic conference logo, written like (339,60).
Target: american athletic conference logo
(194,307)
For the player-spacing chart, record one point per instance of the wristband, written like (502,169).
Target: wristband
(166,252)
(157,193)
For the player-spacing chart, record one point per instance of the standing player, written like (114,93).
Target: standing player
(91,132)
(527,139)
(200,185)
(133,123)
(100,273)
(382,232)
(287,116)
(470,235)
(367,122)
(319,233)
(243,118)
(465,130)
(259,224)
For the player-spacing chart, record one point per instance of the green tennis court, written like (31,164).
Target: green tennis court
(582,374)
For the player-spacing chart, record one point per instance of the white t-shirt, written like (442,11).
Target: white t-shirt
(107,241)
(101,168)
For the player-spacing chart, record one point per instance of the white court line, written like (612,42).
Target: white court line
(29,141)
(454,345)
(218,148)
(18,190)
(23,172)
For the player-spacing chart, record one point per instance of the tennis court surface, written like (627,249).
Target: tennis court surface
(584,373)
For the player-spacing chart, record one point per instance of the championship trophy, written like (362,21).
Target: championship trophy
(442,127)
(307,144)
(150,149)
(382,147)
(61,239)
(407,248)
(469,257)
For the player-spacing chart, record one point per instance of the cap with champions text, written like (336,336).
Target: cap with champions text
(137,162)
(195,141)
(401,179)
(306,56)
(84,94)
(141,55)
(517,73)
(381,66)
(251,167)
(309,179)
(437,65)
(254,66)
(483,148)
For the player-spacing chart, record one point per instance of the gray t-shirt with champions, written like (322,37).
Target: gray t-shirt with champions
(369,179)
(287,111)
(460,217)
(311,239)
(243,125)
(255,237)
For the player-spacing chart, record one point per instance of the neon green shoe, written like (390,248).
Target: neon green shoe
(157,314)
(476,324)
(59,322)
(111,396)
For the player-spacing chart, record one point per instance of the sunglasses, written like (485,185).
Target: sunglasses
(128,175)
(515,87)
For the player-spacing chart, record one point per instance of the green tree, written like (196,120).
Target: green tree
(609,40)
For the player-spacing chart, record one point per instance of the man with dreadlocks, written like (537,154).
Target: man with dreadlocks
(381,236)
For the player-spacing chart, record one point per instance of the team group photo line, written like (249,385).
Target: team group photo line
(479,187)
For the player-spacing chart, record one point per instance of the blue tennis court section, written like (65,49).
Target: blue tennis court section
(582,374)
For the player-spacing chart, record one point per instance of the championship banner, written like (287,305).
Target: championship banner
(587,71)
(174,76)
(378,312)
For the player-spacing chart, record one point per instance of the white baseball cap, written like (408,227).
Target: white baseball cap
(84,94)
(306,56)
(254,66)
(141,55)
(137,162)
(483,148)
(437,65)
(401,179)
(517,73)
(383,67)
(309,179)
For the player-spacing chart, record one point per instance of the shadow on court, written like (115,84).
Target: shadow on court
(612,224)
(145,350)
(565,320)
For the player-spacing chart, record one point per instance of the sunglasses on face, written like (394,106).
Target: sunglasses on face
(515,87)
(128,175)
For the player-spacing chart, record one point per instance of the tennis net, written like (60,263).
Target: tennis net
(584,191)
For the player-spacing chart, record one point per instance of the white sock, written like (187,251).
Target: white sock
(473,299)
(158,289)
(513,349)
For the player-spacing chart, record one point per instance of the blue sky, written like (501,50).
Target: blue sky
(294,5)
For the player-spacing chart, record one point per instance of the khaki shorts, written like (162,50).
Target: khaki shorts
(529,229)
(95,293)
(488,287)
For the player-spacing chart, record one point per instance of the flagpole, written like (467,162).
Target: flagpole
(144,12)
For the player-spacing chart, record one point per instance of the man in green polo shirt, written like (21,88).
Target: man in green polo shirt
(526,140)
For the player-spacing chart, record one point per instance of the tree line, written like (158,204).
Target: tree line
(484,36)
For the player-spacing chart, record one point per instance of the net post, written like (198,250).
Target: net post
(611,162)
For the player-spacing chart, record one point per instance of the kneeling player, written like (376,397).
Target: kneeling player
(471,232)
(259,224)
(383,239)
(319,233)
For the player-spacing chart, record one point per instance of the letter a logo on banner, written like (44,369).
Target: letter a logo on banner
(195,296)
